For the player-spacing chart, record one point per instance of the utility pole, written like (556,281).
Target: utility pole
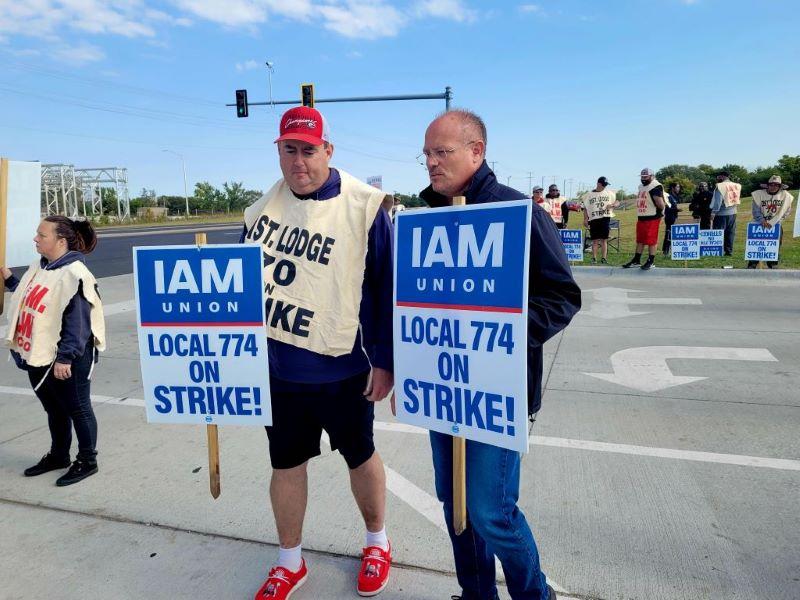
(530,179)
(493,163)
(570,186)
(508,181)
(185,189)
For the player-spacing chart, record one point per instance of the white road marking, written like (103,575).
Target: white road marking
(612,303)
(645,368)
(783,464)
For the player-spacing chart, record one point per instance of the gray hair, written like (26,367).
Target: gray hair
(471,124)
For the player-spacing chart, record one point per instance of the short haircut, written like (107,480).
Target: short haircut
(471,124)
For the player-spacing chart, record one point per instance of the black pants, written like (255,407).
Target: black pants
(666,247)
(67,404)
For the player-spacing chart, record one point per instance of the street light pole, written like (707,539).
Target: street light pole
(185,188)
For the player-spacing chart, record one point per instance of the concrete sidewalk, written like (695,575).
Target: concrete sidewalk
(51,553)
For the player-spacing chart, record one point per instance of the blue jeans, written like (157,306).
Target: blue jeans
(495,524)
(728,224)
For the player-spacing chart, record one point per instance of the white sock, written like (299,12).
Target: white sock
(290,558)
(378,538)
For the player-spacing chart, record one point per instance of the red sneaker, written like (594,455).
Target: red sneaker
(282,583)
(374,573)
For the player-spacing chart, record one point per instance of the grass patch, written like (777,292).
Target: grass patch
(198,220)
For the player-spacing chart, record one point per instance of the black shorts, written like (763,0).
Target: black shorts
(300,411)
(599,228)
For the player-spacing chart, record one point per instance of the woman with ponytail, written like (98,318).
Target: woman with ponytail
(55,330)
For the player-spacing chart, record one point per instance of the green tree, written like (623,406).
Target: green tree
(789,169)
(207,197)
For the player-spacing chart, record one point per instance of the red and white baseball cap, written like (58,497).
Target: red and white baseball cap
(304,124)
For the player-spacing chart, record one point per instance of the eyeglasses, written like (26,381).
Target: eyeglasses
(440,154)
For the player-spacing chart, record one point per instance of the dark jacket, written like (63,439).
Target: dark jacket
(671,208)
(553,296)
(701,204)
(76,326)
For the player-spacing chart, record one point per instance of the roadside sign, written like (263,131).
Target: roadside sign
(202,337)
(711,241)
(460,321)
(685,241)
(573,244)
(762,242)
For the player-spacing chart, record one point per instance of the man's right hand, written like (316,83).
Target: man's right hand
(5,272)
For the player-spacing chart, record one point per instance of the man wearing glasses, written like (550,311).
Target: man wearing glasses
(454,154)
(327,247)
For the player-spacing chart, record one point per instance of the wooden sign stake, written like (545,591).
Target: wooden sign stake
(211,430)
(459,460)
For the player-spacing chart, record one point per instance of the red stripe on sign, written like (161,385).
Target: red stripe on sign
(501,309)
(190,324)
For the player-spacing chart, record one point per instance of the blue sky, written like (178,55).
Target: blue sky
(573,89)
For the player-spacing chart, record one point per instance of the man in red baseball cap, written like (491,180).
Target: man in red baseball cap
(327,246)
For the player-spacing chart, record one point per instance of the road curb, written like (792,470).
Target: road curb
(760,274)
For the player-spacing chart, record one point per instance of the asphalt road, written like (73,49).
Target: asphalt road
(665,463)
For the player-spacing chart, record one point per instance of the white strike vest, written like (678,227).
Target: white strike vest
(314,255)
(599,204)
(731,193)
(645,207)
(773,208)
(37,308)
(555,209)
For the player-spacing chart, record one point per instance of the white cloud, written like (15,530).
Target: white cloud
(247,65)
(357,19)
(354,54)
(445,9)
(363,19)
(56,20)
(530,8)
(78,55)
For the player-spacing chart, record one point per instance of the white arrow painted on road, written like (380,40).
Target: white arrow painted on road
(645,368)
(612,303)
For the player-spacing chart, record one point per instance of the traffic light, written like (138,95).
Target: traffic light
(241,103)
(307,94)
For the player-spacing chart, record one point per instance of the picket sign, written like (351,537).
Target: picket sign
(459,460)
(211,430)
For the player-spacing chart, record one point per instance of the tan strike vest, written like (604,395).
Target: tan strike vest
(731,193)
(37,308)
(314,259)
(598,204)
(773,208)
(555,209)
(645,207)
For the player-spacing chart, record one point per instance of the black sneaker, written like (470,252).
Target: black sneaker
(631,263)
(603,261)
(79,471)
(648,263)
(47,464)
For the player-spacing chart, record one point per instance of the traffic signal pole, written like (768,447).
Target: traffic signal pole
(446,96)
